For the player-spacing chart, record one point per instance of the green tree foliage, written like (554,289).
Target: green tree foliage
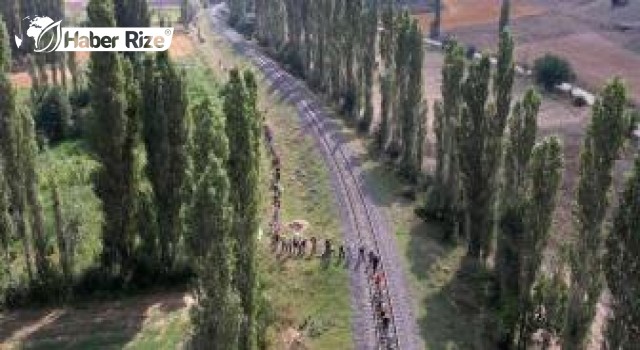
(243,126)
(113,131)
(132,13)
(472,138)
(237,11)
(28,152)
(412,119)
(165,115)
(271,24)
(5,48)
(524,228)
(604,139)
(72,65)
(621,267)
(479,137)
(387,92)
(62,239)
(505,13)
(551,70)
(370,34)
(53,114)
(11,142)
(444,200)
(522,127)
(10,16)
(387,36)
(217,314)
(6,223)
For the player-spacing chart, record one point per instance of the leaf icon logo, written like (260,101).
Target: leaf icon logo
(49,38)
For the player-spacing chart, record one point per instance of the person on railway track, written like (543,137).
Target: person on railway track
(327,249)
(375,263)
(275,242)
(295,247)
(303,248)
(348,256)
(341,254)
(313,246)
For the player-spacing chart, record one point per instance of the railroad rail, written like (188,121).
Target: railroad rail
(362,218)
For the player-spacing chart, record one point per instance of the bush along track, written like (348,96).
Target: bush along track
(382,307)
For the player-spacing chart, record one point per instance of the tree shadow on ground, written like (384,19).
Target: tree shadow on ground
(92,325)
(452,291)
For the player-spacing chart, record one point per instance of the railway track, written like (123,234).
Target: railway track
(357,208)
(367,228)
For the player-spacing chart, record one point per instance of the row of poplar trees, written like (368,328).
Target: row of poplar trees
(493,176)
(335,44)
(495,180)
(178,179)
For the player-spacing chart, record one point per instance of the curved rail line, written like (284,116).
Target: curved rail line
(363,219)
(357,204)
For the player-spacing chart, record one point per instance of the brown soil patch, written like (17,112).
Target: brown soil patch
(594,58)
(182,45)
(70,325)
(460,13)
(23,80)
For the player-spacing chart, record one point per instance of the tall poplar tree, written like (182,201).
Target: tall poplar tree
(480,136)
(10,146)
(111,142)
(61,236)
(6,224)
(622,267)
(531,177)
(165,115)
(472,136)
(387,93)
(446,119)
(505,14)
(602,144)
(370,33)
(28,152)
(217,314)
(243,130)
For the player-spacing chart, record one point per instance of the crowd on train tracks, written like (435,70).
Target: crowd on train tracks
(288,242)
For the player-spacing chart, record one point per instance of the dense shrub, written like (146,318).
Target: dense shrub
(633,122)
(551,70)
(471,52)
(438,208)
(53,114)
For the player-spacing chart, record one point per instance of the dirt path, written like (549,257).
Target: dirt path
(109,324)
(363,221)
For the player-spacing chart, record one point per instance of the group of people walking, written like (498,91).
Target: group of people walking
(298,246)
(275,181)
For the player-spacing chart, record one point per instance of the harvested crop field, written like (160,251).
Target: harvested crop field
(460,13)
(597,39)
(594,58)
(181,45)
